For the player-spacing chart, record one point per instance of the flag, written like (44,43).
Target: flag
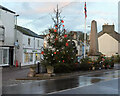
(85,10)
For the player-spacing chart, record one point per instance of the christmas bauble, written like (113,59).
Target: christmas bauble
(66,44)
(55,30)
(65,35)
(42,52)
(62,21)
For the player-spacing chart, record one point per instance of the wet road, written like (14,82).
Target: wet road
(54,86)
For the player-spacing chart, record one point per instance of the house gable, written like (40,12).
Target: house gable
(107,44)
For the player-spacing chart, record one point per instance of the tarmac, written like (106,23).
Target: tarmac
(18,75)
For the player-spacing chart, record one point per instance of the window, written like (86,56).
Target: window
(38,43)
(4,56)
(28,41)
(31,57)
(28,57)
(1,57)
(37,56)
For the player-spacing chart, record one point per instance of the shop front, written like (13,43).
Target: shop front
(4,56)
(31,57)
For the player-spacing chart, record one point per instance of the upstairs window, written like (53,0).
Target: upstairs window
(28,41)
(38,43)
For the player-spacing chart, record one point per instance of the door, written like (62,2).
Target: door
(11,56)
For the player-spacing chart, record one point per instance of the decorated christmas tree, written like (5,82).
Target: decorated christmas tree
(60,51)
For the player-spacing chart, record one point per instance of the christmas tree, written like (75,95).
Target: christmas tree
(60,51)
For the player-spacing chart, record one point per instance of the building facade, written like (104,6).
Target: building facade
(109,41)
(18,46)
(29,47)
(7,36)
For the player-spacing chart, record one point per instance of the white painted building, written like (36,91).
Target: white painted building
(21,45)
(29,46)
(109,41)
(7,36)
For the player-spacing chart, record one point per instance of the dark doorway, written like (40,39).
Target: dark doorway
(11,56)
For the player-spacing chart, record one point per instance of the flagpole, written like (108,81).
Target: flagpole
(85,31)
(85,39)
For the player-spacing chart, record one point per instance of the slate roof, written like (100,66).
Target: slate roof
(28,32)
(114,34)
(3,8)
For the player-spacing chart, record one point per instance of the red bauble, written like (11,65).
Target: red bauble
(63,61)
(54,52)
(56,39)
(76,63)
(62,21)
(66,44)
(63,25)
(55,26)
(42,52)
(55,30)
(65,35)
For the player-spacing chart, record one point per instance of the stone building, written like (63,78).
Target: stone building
(109,41)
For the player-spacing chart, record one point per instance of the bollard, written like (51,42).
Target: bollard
(38,71)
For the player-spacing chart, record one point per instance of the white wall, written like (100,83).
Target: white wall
(108,45)
(19,52)
(25,42)
(8,21)
(41,41)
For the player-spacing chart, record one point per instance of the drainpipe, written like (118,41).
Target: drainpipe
(15,41)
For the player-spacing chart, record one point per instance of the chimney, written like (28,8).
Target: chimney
(75,35)
(108,28)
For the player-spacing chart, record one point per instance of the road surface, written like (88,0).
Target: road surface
(102,83)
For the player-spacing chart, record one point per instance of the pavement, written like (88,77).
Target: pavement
(9,74)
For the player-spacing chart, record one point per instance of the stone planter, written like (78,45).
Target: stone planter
(93,68)
(50,69)
(31,72)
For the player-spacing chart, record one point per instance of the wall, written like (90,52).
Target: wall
(19,51)
(119,48)
(8,21)
(41,41)
(108,45)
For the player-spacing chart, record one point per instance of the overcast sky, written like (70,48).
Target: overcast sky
(37,15)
